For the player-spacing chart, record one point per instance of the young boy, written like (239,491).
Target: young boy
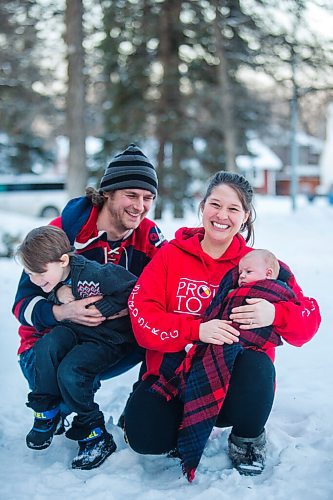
(69,357)
(258,265)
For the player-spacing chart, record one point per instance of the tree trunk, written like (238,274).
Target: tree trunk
(227,100)
(160,203)
(169,109)
(75,105)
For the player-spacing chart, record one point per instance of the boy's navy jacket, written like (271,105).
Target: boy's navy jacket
(89,279)
(79,221)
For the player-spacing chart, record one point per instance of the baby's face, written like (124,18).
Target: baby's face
(252,268)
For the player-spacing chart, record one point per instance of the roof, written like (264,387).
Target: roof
(261,157)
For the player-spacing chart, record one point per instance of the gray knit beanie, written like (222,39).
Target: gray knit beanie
(130,169)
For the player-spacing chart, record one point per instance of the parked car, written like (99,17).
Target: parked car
(37,195)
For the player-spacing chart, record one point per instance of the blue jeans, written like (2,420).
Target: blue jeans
(27,362)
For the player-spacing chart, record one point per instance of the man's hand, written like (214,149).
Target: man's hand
(82,312)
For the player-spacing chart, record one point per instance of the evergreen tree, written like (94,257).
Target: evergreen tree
(177,73)
(127,59)
(21,102)
(143,88)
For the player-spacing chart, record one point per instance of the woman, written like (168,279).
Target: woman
(166,308)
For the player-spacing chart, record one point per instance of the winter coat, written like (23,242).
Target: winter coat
(79,221)
(167,303)
(89,279)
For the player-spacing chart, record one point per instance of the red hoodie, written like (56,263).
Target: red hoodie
(177,286)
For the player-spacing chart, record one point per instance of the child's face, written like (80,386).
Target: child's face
(252,268)
(54,273)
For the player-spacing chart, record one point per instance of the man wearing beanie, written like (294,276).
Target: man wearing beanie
(108,225)
(129,168)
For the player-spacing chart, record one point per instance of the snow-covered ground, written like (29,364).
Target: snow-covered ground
(300,438)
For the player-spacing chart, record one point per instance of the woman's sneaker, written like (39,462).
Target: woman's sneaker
(45,425)
(248,454)
(94,449)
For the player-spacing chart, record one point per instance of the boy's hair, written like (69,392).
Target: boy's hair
(41,246)
(270,260)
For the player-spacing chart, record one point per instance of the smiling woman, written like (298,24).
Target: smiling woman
(223,216)
(168,311)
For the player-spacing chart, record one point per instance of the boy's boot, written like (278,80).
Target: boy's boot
(45,425)
(94,449)
(248,454)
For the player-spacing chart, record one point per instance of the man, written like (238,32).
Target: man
(105,226)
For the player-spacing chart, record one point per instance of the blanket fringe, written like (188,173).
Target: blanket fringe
(189,473)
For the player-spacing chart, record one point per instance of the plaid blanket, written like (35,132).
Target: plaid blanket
(200,378)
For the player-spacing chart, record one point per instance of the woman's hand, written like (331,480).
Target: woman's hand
(64,294)
(218,331)
(82,312)
(257,314)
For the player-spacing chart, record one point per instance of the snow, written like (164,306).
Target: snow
(299,430)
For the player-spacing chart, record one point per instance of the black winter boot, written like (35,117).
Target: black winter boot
(94,449)
(79,431)
(248,454)
(44,428)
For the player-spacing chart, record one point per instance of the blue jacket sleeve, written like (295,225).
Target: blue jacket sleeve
(31,306)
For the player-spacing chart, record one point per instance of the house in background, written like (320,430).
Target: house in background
(260,166)
(308,169)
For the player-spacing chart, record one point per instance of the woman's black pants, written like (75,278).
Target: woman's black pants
(151,422)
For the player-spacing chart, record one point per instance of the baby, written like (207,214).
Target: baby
(258,265)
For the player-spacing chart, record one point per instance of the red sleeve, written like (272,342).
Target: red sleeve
(56,222)
(154,327)
(297,323)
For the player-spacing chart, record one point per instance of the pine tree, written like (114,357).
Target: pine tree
(21,103)
(176,76)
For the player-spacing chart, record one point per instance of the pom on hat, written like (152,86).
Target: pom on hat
(130,169)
